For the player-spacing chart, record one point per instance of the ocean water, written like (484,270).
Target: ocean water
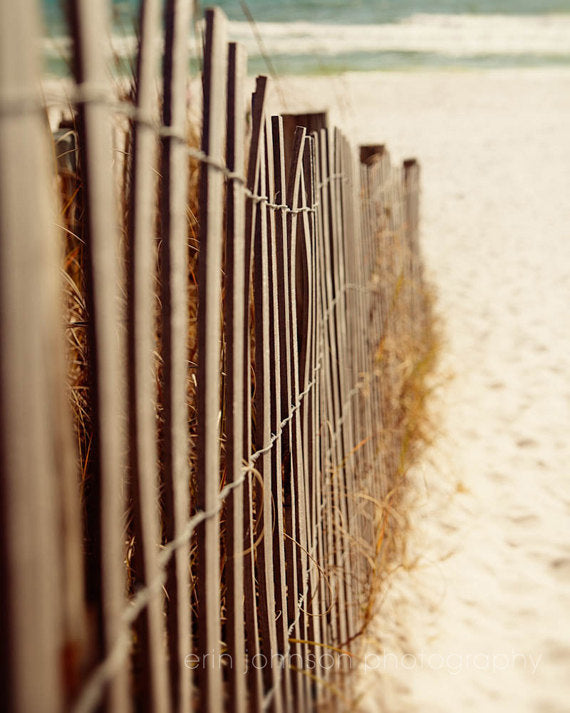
(329,36)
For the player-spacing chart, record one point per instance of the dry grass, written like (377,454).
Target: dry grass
(407,349)
(407,357)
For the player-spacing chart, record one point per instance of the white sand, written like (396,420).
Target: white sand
(480,623)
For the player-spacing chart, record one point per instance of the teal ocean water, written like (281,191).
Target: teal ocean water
(329,36)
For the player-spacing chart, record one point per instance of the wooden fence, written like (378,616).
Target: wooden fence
(202,530)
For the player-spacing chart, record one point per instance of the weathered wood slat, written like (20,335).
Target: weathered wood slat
(343,420)
(362,297)
(411,177)
(375,315)
(368,346)
(174,325)
(236,356)
(336,450)
(314,605)
(286,388)
(267,613)
(90,23)
(256,699)
(154,691)
(372,327)
(359,487)
(363,440)
(41,596)
(275,334)
(362,460)
(209,343)
(298,470)
(347,382)
(323,514)
(304,298)
(325,403)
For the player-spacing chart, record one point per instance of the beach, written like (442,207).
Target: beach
(476,616)
(215,490)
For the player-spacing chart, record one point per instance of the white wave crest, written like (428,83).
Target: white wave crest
(455,35)
(449,35)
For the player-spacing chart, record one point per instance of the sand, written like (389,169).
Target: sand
(478,619)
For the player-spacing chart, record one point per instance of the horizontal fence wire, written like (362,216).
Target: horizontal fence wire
(130,111)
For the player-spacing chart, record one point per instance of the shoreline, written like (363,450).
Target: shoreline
(339,94)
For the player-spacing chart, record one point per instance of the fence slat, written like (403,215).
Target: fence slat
(298,470)
(335,405)
(360,504)
(375,255)
(267,626)
(174,324)
(325,405)
(311,422)
(323,601)
(235,357)
(286,387)
(346,471)
(208,392)
(411,173)
(36,583)
(363,438)
(256,697)
(90,23)
(304,343)
(373,252)
(155,690)
(275,335)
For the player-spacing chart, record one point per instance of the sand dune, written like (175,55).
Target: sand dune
(480,619)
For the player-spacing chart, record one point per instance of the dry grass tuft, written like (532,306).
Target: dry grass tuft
(406,360)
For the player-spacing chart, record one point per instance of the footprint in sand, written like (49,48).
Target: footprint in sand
(527,443)
(556,652)
(543,706)
(560,567)
(524,519)
(499,477)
